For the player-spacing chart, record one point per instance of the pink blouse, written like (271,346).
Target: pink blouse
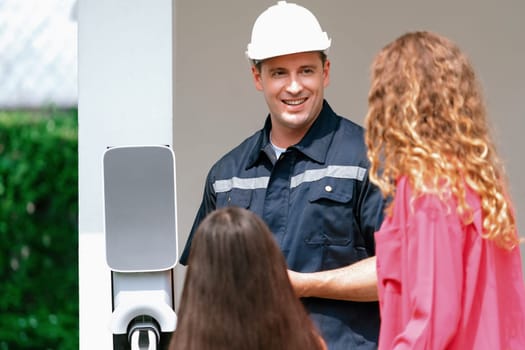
(441,285)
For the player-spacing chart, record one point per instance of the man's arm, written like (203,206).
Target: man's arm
(356,282)
(208,204)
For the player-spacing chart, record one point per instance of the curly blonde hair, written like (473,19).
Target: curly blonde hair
(427,121)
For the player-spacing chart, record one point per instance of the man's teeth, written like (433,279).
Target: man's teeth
(295,102)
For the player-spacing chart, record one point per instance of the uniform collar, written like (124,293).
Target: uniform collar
(315,144)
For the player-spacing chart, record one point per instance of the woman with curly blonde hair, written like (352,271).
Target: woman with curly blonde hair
(448,260)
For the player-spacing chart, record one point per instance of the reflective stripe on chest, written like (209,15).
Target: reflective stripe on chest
(252,183)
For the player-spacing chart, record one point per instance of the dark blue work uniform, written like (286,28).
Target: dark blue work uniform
(317,200)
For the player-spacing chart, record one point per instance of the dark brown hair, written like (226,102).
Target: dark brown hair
(237,294)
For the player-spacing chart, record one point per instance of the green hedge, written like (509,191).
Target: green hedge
(38,230)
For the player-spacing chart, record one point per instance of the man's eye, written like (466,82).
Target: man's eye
(277,73)
(308,71)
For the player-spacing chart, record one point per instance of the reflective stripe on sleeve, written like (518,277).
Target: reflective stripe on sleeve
(250,183)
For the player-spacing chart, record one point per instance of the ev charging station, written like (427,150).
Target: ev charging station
(141,244)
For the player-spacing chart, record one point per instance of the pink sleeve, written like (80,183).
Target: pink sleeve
(432,284)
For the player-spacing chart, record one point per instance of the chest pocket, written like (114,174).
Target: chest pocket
(235,197)
(331,211)
(331,194)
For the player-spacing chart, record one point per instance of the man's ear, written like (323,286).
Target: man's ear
(257,78)
(326,73)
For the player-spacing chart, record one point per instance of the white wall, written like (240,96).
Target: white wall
(216,105)
(125,98)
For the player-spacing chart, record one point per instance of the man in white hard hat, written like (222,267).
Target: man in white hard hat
(306,174)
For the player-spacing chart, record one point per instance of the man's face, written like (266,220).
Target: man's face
(293,86)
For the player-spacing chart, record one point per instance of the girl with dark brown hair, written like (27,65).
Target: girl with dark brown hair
(237,294)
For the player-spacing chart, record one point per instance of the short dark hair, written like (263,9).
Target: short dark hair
(258,63)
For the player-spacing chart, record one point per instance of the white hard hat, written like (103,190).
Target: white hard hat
(284,29)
